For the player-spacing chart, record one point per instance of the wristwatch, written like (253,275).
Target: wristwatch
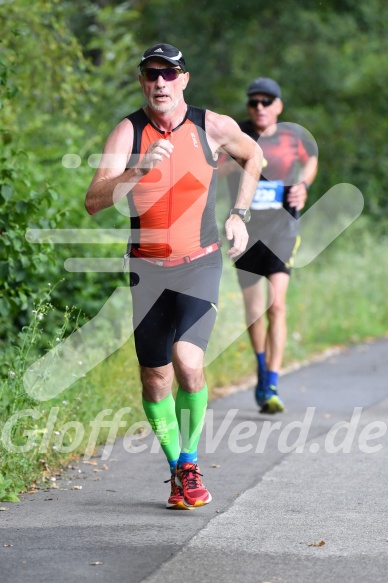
(244,214)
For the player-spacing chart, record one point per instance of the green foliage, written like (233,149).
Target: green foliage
(114,41)
(23,419)
(22,265)
(45,57)
(44,120)
(342,292)
(24,202)
(33,434)
(5,494)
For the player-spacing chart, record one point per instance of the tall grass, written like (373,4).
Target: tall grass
(340,297)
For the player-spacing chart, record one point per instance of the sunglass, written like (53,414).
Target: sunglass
(266,102)
(169,74)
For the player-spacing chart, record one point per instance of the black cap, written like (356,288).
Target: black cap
(264,85)
(166,52)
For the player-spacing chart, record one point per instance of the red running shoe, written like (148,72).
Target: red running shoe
(194,492)
(175,500)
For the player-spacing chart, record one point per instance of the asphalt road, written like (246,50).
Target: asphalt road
(280,485)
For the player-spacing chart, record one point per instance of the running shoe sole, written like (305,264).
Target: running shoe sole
(179,506)
(198,503)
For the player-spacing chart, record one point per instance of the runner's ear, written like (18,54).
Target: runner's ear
(278,105)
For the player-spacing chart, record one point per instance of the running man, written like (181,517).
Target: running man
(289,168)
(163,157)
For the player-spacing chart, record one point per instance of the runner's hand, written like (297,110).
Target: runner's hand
(236,231)
(297,196)
(155,153)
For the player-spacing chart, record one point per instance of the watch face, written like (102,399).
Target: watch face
(247,216)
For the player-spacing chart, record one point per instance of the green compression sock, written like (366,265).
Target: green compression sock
(163,421)
(190,411)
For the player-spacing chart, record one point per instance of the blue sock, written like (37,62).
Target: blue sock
(262,367)
(272,379)
(172,464)
(187,457)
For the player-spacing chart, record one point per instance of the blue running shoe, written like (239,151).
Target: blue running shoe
(270,402)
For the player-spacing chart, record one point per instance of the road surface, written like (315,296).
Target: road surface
(280,485)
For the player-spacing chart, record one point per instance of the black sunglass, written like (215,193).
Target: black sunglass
(266,102)
(169,74)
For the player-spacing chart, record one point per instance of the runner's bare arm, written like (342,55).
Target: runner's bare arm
(223,131)
(112,180)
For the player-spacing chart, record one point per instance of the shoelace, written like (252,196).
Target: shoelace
(193,482)
(174,486)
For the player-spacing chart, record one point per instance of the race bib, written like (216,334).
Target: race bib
(268,195)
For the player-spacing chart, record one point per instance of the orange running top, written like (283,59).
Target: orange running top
(173,206)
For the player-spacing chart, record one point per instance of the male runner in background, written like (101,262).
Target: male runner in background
(290,166)
(165,160)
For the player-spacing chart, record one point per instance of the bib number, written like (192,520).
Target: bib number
(269,195)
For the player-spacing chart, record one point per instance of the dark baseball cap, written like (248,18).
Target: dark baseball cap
(166,52)
(264,85)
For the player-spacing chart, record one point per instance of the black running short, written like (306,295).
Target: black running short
(171,304)
(273,242)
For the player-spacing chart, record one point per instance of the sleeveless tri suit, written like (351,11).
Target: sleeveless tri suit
(175,264)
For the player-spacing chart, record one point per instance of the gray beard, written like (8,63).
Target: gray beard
(164,108)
